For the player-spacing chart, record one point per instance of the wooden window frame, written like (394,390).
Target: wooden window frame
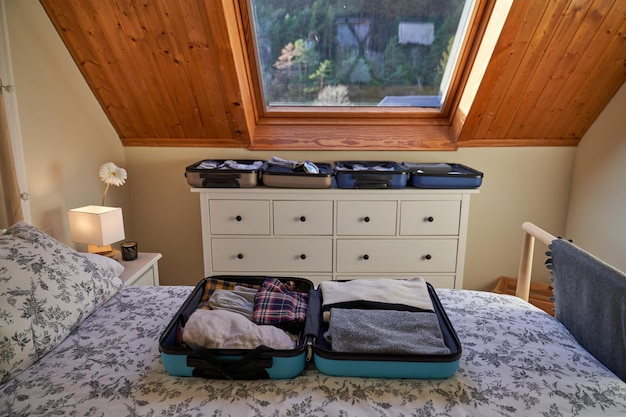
(352,128)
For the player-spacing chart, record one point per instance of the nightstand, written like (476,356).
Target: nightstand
(142,271)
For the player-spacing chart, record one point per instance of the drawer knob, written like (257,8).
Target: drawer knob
(240,256)
(366,257)
(303,256)
(239,218)
(366,219)
(430,219)
(302,218)
(428,257)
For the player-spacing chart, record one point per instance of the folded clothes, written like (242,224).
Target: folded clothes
(230,164)
(244,167)
(361,167)
(307,166)
(275,160)
(239,300)
(433,168)
(280,304)
(213,284)
(380,293)
(221,329)
(384,331)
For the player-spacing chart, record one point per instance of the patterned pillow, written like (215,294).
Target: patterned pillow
(46,290)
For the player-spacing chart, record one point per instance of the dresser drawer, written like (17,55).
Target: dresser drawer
(363,218)
(303,218)
(430,217)
(266,255)
(239,217)
(398,255)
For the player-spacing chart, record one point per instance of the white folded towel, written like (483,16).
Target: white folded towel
(411,292)
(222,329)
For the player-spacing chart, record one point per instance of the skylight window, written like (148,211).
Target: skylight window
(357,53)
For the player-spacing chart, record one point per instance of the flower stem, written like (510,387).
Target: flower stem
(105,193)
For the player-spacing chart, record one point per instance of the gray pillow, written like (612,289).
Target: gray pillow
(46,290)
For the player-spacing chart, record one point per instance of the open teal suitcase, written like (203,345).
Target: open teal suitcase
(311,348)
(260,363)
(388,365)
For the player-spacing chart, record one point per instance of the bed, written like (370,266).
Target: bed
(517,360)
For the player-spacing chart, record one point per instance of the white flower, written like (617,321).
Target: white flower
(111,174)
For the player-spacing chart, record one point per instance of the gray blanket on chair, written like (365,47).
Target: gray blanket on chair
(590,300)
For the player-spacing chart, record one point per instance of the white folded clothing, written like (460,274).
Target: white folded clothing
(411,292)
(222,329)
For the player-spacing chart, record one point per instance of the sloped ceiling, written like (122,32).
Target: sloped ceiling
(165,75)
(555,67)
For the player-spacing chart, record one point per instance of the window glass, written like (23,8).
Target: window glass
(357,52)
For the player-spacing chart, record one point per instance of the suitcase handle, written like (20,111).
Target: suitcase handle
(372,184)
(221,181)
(249,366)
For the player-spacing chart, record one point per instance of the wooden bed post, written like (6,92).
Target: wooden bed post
(526,262)
(525,267)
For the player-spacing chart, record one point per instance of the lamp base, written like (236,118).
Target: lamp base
(106,250)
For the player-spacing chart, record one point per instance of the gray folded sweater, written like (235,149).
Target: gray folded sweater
(385,331)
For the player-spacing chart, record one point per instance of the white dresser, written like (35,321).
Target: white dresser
(323,234)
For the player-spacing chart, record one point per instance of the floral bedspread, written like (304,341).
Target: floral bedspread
(517,361)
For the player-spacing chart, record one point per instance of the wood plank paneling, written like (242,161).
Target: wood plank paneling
(158,67)
(524,51)
(600,69)
(577,27)
(555,67)
(179,73)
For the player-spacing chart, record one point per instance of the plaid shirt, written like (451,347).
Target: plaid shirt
(279,304)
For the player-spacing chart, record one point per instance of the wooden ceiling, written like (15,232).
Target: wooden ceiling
(174,73)
(555,67)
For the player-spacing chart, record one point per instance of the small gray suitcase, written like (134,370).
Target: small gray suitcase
(212,173)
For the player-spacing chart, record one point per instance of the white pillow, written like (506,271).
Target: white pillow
(104,262)
(46,290)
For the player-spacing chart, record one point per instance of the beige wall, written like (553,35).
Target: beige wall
(519,184)
(67,136)
(596,219)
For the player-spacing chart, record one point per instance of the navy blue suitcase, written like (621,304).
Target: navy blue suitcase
(371,174)
(443,175)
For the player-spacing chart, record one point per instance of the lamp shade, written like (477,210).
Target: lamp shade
(96,225)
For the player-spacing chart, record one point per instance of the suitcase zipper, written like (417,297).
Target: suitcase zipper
(309,351)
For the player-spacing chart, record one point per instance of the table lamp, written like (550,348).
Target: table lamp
(98,227)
